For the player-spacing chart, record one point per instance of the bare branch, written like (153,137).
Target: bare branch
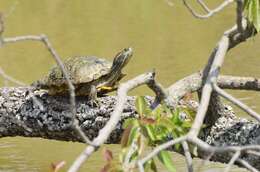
(23,38)
(253,152)
(66,75)
(169,2)
(210,12)
(205,161)
(127,164)
(247,165)
(9,78)
(82,134)
(160,93)
(188,157)
(203,5)
(239,15)
(232,161)
(196,141)
(12,8)
(237,102)
(240,83)
(2,28)
(207,88)
(193,83)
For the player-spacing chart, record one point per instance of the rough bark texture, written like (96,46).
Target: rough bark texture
(229,130)
(21,116)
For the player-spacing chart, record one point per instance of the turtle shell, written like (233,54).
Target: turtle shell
(81,69)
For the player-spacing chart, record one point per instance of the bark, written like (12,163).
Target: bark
(20,115)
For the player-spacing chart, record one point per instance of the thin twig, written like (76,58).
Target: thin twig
(160,93)
(20,83)
(203,5)
(12,8)
(127,164)
(205,161)
(210,12)
(247,165)
(237,102)
(207,88)
(188,157)
(2,28)
(253,152)
(9,78)
(232,161)
(239,15)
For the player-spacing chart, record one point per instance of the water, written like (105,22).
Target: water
(164,37)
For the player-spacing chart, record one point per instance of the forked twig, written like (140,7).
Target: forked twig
(209,12)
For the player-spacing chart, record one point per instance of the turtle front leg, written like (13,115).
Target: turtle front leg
(93,97)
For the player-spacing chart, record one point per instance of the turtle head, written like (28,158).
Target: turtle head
(122,58)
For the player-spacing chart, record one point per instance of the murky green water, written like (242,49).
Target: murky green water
(166,38)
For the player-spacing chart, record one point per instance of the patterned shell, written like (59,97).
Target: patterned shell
(82,69)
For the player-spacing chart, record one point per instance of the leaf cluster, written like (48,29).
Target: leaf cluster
(152,128)
(252,12)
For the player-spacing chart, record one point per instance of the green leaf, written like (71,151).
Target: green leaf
(125,137)
(134,156)
(252,12)
(186,124)
(162,131)
(153,166)
(149,130)
(141,106)
(167,110)
(130,122)
(166,122)
(176,118)
(166,160)
(190,113)
(157,112)
(150,165)
(177,146)
(134,133)
(256,15)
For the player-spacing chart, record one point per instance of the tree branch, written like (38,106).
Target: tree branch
(209,12)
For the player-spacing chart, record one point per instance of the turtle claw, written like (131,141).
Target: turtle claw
(94,103)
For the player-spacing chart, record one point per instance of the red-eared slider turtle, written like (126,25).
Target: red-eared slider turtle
(89,74)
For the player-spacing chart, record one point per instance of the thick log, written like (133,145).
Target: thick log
(21,115)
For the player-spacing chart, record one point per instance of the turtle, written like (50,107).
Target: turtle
(90,75)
